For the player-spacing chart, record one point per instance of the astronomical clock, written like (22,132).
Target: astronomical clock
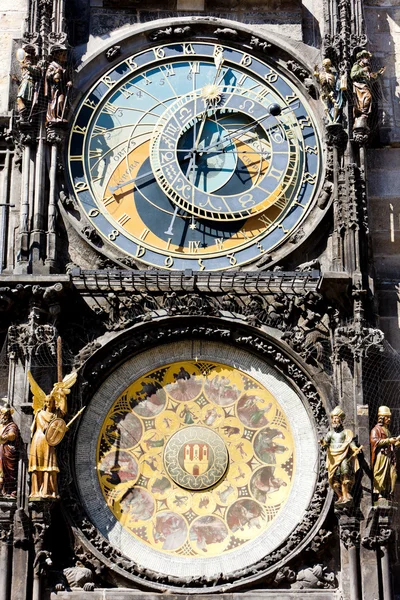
(194,155)
(194,457)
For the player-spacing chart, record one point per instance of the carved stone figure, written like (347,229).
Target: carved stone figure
(28,85)
(56,87)
(383,456)
(48,429)
(332,88)
(9,452)
(363,78)
(78,577)
(314,577)
(341,459)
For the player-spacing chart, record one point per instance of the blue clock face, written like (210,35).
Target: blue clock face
(181,159)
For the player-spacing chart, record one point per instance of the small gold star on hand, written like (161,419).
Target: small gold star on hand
(192,225)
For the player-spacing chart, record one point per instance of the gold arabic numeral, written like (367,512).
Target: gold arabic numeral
(232,259)
(141,251)
(194,246)
(311,149)
(93,212)
(126,92)
(76,157)
(159,52)
(110,109)
(194,68)
(81,186)
(79,129)
(246,60)
(132,65)
(260,247)
(218,50)
(113,235)
(280,226)
(123,219)
(144,234)
(169,261)
(271,77)
(304,122)
(309,178)
(201,264)
(108,81)
(219,242)
(188,49)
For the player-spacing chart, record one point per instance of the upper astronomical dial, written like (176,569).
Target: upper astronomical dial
(176,158)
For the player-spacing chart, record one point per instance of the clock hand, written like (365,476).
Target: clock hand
(170,228)
(219,61)
(273,111)
(121,185)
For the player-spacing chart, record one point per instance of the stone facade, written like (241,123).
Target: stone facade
(320,312)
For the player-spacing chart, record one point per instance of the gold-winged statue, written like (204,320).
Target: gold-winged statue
(48,429)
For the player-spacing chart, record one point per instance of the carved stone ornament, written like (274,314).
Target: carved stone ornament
(382,538)
(350,537)
(145,336)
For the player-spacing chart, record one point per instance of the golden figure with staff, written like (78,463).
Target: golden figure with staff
(48,430)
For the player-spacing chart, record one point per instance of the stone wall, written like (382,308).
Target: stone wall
(383,29)
(12,19)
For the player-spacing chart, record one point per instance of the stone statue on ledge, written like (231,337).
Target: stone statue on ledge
(9,452)
(332,87)
(56,88)
(383,456)
(363,79)
(48,429)
(28,85)
(341,458)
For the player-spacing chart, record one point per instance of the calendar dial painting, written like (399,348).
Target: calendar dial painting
(196,459)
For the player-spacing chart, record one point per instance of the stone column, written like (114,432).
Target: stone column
(380,535)
(40,516)
(7,509)
(350,538)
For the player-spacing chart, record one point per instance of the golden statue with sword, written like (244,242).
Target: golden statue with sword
(48,430)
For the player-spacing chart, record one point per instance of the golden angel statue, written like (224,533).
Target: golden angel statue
(48,429)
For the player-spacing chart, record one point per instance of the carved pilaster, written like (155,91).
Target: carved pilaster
(349,532)
(7,509)
(41,518)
